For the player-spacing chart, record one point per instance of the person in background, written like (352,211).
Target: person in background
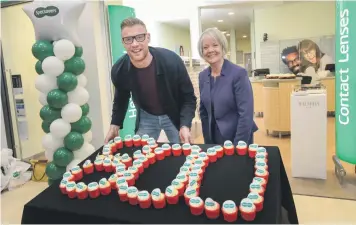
(290,57)
(226,98)
(161,88)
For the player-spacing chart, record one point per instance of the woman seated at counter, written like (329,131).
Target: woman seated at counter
(226,98)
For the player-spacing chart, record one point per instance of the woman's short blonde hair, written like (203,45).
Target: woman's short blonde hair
(217,35)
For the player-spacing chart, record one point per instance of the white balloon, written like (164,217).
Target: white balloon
(49,142)
(82,80)
(78,96)
(53,66)
(72,164)
(49,155)
(71,112)
(64,49)
(58,22)
(45,83)
(88,136)
(85,151)
(54,43)
(59,128)
(43,99)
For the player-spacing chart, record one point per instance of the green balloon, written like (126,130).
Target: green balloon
(74,65)
(50,181)
(38,68)
(54,172)
(49,114)
(78,51)
(57,99)
(42,49)
(73,141)
(82,126)
(85,109)
(62,157)
(67,82)
(45,126)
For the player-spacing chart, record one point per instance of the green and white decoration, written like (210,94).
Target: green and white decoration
(61,82)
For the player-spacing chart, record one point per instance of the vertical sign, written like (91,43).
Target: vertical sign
(117,14)
(345,81)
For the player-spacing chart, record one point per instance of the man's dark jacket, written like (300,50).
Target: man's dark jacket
(174,86)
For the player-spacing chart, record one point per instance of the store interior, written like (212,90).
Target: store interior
(257,33)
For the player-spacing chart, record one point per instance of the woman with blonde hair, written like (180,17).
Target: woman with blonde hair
(226,98)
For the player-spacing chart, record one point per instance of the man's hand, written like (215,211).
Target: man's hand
(113,132)
(185,135)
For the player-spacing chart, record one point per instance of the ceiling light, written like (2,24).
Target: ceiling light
(227,34)
(220,21)
(231,13)
(245,36)
(224,32)
(215,28)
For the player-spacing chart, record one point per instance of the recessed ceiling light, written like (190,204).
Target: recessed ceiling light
(245,36)
(220,21)
(215,28)
(224,32)
(227,34)
(231,13)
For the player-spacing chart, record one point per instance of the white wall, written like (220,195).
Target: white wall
(293,20)
(3,139)
(169,36)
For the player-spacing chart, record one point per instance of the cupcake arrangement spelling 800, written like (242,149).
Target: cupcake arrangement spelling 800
(126,171)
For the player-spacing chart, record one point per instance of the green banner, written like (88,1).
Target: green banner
(117,14)
(346,81)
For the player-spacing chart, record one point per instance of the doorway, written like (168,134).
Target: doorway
(248,63)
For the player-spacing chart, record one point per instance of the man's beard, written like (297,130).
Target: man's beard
(295,69)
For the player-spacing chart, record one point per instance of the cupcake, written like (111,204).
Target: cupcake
(167,149)
(228,148)
(112,181)
(247,209)
(189,193)
(194,153)
(98,164)
(144,199)
(128,141)
(134,171)
(146,149)
(200,163)
(144,161)
(153,145)
(261,165)
(132,195)
(183,178)
(112,145)
(100,157)
(115,162)
(159,153)
(122,192)
(262,150)
(229,211)
(82,190)
(104,186)
(77,173)
(179,186)
(184,170)
(158,199)
(257,188)
(120,171)
(130,178)
(144,139)
(126,159)
(196,206)
(262,173)
(219,151)
(151,140)
(106,151)
(177,150)
(136,140)
(107,165)
(137,154)
(257,200)
(118,143)
(93,190)
(71,189)
(192,183)
(241,148)
(261,181)
(138,164)
(186,149)
(63,186)
(172,195)
(252,148)
(196,148)
(190,158)
(151,158)
(261,157)
(203,156)
(120,181)
(211,152)
(212,208)
(68,176)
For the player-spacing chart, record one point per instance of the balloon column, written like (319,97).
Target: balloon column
(61,82)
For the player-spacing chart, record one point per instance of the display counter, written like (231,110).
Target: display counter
(329,83)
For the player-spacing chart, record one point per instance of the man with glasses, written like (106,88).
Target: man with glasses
(290,57)
(161,88)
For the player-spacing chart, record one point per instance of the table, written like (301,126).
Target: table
(233,173)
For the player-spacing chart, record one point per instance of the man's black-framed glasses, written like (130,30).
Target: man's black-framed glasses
(130,39)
